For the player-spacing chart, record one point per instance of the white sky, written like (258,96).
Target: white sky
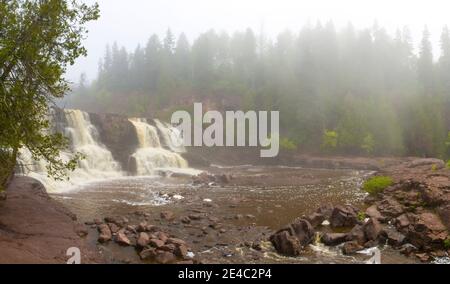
(130,22)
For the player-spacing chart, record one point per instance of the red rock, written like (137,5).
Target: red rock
(167,215)
(113,227)
(148,254)
(164,257)
(372,229)
(105,233)
(143,240)
(176,241)
(286,244)
(162,236)
(181,251)
(122,239)
(156,243)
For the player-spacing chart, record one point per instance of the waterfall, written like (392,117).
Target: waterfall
(172,137)
(151,157)
(98,163)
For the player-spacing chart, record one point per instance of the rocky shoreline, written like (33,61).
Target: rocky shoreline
(412,216)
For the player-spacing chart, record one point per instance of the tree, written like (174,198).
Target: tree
(38,40)
(425,64)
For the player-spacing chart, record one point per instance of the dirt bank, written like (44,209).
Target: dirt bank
(35,229)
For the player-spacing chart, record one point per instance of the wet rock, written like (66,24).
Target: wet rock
(165,257)
(372,229)
(408,249)
(390,207)
(148,254)
(334,239)
(286,244)
(316,219)
(326,211)
(393,237)
(143,240)
(122,239)
(105,233)
(303,231)
(167,215)
(357,234)
(156,243)
(352,247)
(343,216)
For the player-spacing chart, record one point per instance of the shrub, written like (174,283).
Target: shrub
(447,243)
(448,164)
(377,184)
(329,140)
(362,216)
(368,144)
(287,144)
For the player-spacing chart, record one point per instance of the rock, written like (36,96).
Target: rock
(303,231)
(143,240)
(390,207)
(122,239)
(162,236)
(176,241)
(167,215)
(113,227)
(373,212)
(165,257)
(372,229)
(195,217)
(181,251)
(315,219)
(250,216)
(105,233)
(185,262)
(408,249)
(148,254)
(131,229)
(334,239)
(156,243)
(185,220)
(402,221)
(326,211)
(393,237)
(439,164)
(142,227)
(224,179)
(428,232)
(444,214)
(352,247)
(168,247)
(343,216)
(286,244)
(357,234)
(434,196)
(423,257)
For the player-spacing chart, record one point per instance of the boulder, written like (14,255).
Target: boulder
(352,247)
(428,232)
(372,229)
(168,247)
(286,244)
(402,221)
(303,231)
(162,236)
(357,234)
(334,239)
(393,237)
(439,164)
(343,216)
(181,251)
(176,241)
(143,240)
(114,228)
(325,210)
(105,233)
(390,207)
(122,239)
(315,219)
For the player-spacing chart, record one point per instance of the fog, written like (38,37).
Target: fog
(132,22)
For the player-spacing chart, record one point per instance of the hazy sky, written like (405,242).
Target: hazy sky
(133,21)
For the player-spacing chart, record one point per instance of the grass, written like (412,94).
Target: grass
(447,243)
(377,184)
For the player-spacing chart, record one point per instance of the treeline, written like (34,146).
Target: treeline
(349,91)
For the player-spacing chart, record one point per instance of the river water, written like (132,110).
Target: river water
(257,197)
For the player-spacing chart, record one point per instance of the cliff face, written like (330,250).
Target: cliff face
(117,133)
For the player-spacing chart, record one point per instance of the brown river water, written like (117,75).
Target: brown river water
(261,198)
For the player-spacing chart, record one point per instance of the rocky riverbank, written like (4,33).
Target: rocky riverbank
(38,230)
(412,216)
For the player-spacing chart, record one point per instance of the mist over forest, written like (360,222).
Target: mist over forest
(346,91)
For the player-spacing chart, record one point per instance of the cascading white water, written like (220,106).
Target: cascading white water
(150,156)
(97,164)
(172,136)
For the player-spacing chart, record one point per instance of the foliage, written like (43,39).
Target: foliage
(362,216)
(447,243)
(38,40)
(365,85)
(448,164)
(377,184)
(287,144)
(329,140)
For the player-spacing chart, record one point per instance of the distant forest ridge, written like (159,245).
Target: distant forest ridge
(342,92)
